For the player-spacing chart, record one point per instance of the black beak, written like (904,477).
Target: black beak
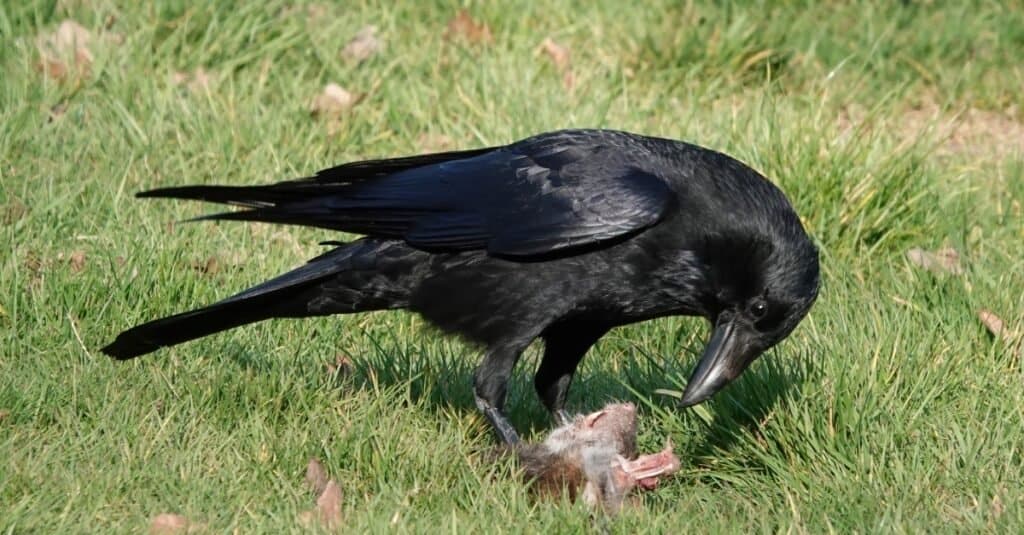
(724,359)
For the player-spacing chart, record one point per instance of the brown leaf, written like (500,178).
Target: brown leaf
(561,57)
(328,508)
(316,477)
(464,26)
(945,260)
(333,101)
(995,325)
(558,54)
(170,524)
(77,261)
(363,46)
(998,328)
(4,413)
(65,51)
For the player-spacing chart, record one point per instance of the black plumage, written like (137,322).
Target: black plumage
(561,236)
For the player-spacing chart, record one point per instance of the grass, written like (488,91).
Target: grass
(890,409)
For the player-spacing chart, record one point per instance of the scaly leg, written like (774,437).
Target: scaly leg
(490,385)
(564,348)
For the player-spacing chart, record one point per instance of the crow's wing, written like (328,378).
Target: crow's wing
(544,195)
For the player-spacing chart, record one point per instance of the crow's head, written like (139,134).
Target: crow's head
(761,274)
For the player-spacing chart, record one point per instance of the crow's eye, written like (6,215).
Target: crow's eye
(758,309)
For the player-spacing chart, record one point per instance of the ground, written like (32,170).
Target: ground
(892,126)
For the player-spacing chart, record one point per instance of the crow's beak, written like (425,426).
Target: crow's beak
(725,357)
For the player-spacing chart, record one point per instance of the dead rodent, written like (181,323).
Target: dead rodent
(594,455)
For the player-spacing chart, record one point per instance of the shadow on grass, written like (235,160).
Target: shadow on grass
(742,408)
(436,373)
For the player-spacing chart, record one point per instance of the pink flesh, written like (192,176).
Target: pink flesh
(646,468)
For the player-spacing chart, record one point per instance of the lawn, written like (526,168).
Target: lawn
(892,126)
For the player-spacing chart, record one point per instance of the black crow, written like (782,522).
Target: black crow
(561,236)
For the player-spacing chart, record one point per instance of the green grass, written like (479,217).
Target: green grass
(889,409)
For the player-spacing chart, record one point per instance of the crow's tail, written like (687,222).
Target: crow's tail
(289,295)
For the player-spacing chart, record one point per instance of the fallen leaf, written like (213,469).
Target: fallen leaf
(466,27)
(945,260)
(4,413)
(64,51)
(316,476)
(169,524)
(333,101)
(363,46)
(997,506)
(435,142)
(77,261)
(995,325)
(328,508)
(331,104)
(560,56)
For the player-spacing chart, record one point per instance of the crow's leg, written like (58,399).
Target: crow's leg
(490,385)
(564,347)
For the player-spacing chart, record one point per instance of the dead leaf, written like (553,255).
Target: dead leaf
(435,142)
(77,261)
(64,51)
(995,325)
(997,506)
(333,100)
(559,54)
(4,413)
(171,524)
(363,46)
(328,508)
(316,476)
(998,328)
(945,260)
(464,26)
(560,57)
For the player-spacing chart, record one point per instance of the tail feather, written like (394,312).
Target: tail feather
(280,297)
(246,196)
(186,326)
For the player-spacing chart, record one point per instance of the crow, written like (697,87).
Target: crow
(561,236)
